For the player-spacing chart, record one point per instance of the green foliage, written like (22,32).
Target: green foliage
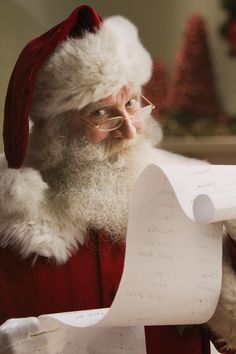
(182,123)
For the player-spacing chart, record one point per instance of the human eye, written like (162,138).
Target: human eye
(99,113)
(133,102)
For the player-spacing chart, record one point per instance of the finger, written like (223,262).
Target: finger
(48,324)
(49,343)
(14,330)
(53,348)
(50,338)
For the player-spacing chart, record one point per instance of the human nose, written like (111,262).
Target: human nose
(127,129)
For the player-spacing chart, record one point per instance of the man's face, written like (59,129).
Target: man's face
(123,104)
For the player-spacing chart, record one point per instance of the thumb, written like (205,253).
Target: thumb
(47,324)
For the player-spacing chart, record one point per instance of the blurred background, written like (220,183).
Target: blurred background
(193,44)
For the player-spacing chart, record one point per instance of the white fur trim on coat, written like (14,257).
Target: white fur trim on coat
(231,228)
(27,223)
(21,191)
(223,322)
(81,71)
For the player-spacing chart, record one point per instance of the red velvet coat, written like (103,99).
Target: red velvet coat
(88,280)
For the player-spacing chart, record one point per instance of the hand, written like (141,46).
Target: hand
(30,336)
(230,226)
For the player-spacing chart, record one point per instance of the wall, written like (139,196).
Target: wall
(160,23)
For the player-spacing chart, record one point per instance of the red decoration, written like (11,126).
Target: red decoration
(193,86)
(228,27)
(231,36)
(156,88)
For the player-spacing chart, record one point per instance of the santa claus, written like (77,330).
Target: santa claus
(65,186)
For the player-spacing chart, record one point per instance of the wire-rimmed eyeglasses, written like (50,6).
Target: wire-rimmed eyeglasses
(140,115)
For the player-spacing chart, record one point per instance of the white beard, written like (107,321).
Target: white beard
(91,183)
(96,191)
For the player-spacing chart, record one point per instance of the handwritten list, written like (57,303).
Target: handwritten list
(172,272)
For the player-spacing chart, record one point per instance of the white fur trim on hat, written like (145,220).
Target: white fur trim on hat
(81,71)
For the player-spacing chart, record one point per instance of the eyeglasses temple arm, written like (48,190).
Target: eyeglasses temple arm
(146,99)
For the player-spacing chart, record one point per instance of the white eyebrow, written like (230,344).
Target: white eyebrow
(100,105)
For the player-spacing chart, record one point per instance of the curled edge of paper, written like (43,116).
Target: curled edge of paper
(203,209)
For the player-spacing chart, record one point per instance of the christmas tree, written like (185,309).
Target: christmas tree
(156,89)
(193,103)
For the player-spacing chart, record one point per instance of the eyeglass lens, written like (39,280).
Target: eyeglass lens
(142,113)
(113,123)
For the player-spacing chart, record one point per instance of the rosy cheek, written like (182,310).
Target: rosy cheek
(96,136)
(139,125)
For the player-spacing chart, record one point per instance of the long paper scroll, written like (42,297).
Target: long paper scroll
(172,272)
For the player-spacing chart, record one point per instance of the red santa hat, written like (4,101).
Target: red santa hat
(81,60)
